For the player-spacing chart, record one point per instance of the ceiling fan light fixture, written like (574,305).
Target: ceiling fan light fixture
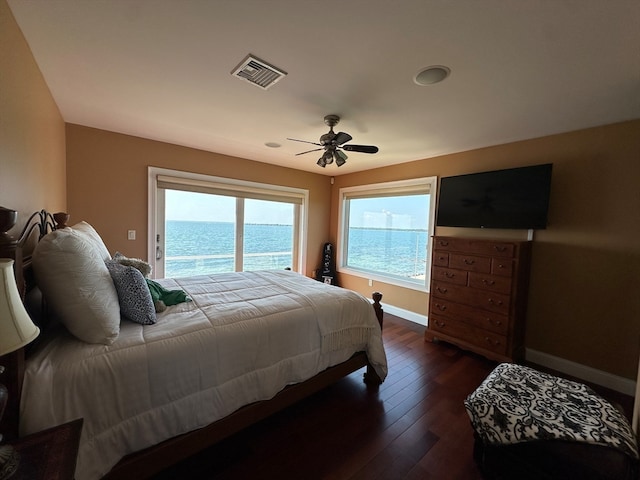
(327,157)
(432,75)
(321,162)
(340,157)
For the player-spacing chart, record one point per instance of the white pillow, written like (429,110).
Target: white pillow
(77,285)
(89,233)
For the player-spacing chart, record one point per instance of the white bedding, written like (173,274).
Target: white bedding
(243,338)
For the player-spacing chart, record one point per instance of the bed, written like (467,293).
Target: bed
(240,347)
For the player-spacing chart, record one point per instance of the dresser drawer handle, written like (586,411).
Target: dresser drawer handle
(440,324)
(442,258)
(443,243)
(469,262)
(488,282)
(495,302)
(441,307)
(495,343)
(500,248)
(442,290)
(449,274)
(497,323)
(500,265)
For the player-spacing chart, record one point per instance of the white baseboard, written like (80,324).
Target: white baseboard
(583,372)
(406,314)
(588,374)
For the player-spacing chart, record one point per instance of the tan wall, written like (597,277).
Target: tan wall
(584,304)
(107,185)
(32,143)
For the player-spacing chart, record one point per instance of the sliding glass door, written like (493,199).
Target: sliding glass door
(199,233)
(268,235)
(207,227)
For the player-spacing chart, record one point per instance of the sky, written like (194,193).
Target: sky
(203,207)
(394,212)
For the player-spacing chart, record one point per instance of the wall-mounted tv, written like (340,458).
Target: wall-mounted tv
(516,198)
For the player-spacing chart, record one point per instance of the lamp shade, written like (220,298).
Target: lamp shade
(16,327)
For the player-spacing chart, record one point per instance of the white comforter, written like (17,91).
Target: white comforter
(243,338)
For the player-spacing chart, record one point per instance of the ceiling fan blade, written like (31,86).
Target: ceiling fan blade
(304,141)
(361,148)
(341,138)
(309,151)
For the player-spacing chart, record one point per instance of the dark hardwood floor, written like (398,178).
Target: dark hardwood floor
(414,426)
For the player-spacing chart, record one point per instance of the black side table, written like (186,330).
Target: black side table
(50,454)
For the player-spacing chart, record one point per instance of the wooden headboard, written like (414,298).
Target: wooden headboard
(19,248)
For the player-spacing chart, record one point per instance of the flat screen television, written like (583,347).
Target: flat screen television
(514,198)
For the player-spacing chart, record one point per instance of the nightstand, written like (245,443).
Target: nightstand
(49,454)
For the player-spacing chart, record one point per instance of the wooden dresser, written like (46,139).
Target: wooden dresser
(478,295)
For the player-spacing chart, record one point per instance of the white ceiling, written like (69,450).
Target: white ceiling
(161,69)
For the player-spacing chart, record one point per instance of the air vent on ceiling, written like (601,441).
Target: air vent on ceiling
(258,72)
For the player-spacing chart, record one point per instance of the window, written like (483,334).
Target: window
(385,231)
(205,224)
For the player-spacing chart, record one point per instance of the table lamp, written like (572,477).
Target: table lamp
(16,331)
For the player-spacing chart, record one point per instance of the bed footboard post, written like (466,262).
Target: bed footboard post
(377,296)
(371,378)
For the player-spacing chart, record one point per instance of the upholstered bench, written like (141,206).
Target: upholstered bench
(532,425)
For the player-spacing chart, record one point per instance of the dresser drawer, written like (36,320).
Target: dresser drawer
(449,275)
(467,333)
(470,263)
(493,283)
(469,245)
(491,321)
(474,297)
(502,266)
(441,259)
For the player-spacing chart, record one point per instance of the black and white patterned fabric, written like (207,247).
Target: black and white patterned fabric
(517,404)
(134,296)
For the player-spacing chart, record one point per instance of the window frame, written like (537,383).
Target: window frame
(231,187)
(410,186)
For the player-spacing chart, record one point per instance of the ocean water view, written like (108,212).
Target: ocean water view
(196,247)
(399,252)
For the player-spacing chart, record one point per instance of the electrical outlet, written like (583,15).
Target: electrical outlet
(370,283)
(131,234)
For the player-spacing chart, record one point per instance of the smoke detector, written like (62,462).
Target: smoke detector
(258,72)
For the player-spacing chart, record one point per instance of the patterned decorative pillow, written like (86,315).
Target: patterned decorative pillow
(134,296)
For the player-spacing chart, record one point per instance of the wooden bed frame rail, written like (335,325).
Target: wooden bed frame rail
(153,460)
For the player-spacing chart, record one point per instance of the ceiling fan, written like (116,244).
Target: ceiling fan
(332,144)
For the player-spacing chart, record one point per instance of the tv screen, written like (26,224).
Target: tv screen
(516,198)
